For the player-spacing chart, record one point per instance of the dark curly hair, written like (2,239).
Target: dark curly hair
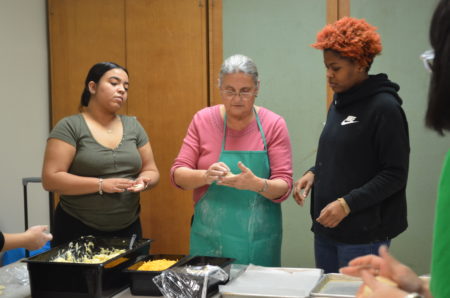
(438,110)
(351,38)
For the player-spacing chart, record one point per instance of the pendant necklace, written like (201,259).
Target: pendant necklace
(110,130)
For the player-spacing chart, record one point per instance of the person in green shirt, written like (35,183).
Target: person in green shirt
(438,119)
(98,161)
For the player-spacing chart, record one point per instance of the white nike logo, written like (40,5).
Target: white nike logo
(349,120)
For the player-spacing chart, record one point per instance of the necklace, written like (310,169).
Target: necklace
(111,124)
(110,129)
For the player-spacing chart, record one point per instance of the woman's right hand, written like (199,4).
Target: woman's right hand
(216,171)
(112,185)
(36,237)
(302,187)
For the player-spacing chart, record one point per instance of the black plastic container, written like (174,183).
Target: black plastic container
(141,282)
(76,280)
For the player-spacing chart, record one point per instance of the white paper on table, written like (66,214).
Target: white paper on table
(273,282)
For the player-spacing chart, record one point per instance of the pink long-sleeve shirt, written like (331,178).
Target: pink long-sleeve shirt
(202,144)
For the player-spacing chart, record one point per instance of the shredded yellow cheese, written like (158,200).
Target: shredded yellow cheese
(156,265)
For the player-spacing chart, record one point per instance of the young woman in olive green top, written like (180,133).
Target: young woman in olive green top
(99,162)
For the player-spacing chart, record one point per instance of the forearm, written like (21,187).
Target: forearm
(68,184)
(273,190)
(392,149)
(14,241)
(380,187)
(188,179)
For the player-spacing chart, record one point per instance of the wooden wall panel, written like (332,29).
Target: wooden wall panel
(167,59)
(81,33)
(332,11)
(215,49)
(165,45)
(336,9)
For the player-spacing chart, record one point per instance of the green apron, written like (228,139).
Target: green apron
(239,224)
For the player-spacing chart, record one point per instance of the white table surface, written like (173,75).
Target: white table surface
(127,294)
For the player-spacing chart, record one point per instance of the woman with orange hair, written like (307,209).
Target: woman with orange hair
(359,179)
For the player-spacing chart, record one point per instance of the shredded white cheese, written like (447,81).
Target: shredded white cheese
(67,256)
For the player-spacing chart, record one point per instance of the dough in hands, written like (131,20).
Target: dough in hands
(229,174)
(366,291)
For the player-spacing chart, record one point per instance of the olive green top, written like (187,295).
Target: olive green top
(110,211)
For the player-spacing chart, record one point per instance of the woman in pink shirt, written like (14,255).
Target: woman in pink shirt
(237,158)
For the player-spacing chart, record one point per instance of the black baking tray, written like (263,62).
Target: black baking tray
(141,282)
(76,280)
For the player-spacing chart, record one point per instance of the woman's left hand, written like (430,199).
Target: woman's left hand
(239,181)
(331,215)
(140,184)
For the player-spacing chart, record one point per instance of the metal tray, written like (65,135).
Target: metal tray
(336,285)
(270,282)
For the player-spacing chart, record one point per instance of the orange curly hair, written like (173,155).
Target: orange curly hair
(352,38)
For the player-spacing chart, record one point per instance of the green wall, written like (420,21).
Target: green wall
(277,35)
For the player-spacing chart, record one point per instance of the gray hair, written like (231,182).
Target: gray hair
(238,63)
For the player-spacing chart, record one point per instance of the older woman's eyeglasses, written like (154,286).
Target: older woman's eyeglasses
(231,94)
(427,58)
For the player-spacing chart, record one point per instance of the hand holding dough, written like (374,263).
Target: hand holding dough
(229,174)
(366,291)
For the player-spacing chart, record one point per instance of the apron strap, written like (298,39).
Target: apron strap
(258,121)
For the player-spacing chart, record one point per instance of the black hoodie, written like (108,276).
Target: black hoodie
(363,156)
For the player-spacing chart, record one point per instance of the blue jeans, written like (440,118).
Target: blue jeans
(332,255)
